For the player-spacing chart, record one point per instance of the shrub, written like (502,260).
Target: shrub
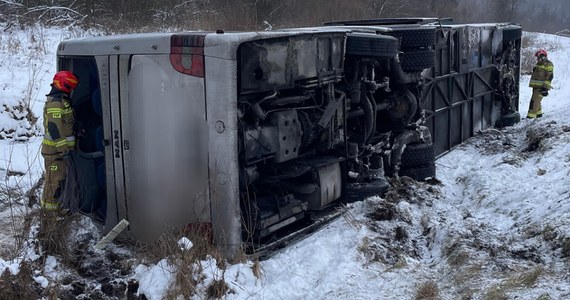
(531,43)
(427,291)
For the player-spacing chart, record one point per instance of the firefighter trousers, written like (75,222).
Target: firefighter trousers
(56,172)
(535,106)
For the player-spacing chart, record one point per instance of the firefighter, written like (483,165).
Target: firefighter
(59,138)
(540,82)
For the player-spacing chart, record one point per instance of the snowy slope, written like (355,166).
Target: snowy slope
(494,225)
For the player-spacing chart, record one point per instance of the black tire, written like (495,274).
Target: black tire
(371,45)
(418,155)
(419,173)
(417,60)
(363,190)
(412,38)
(511,34)
(509,119)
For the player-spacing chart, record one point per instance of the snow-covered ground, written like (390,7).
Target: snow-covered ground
(494,225)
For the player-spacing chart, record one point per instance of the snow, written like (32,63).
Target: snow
(13,266)
(154,280)
(42,281)
(52,267)
(499,214)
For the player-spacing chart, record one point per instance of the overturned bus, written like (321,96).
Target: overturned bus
(244,133)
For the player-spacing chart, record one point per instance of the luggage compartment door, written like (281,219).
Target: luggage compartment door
(164,145)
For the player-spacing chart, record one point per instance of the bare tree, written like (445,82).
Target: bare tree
(144,15)
(514,4)
(388,8)
(444,8)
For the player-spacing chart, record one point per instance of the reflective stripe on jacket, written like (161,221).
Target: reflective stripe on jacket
(49,206)
(542,75)
(58,124)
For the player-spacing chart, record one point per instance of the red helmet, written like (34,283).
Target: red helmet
(65,81)
(540,53)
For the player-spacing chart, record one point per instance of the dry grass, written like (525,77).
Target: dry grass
(549,233)
(496,293)
(53,234)
(186,262)
(16,231)
(537,139)
(364,245)
(427,291)
(378,251)
(217,289)
(348,217)
(26,228)
(566,247)
(165,247)
(458,258)
(520,281)
(256,269)
(384,211)
(468,274)
(21,285)
(525,280)
(544,296)
(368,250)
(400,264)
(455,256)
(188,275)
(10,226)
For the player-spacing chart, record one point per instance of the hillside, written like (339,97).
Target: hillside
(494,225)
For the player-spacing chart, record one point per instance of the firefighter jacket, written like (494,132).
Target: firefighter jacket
(542,75)
(58,124)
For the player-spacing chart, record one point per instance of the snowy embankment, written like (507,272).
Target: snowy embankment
(495,225)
